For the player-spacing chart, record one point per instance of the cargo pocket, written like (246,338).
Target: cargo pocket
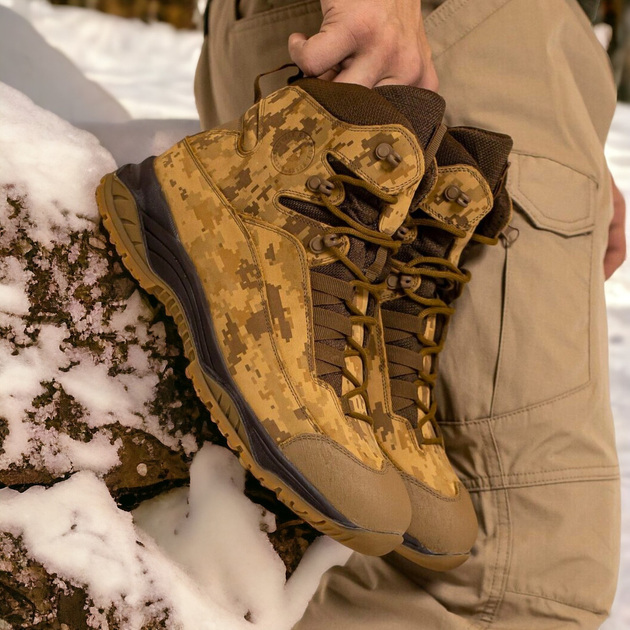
(546,322)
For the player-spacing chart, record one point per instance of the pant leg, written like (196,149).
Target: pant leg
(524,385)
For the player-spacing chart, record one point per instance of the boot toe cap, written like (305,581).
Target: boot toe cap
(372,499)
(440,525)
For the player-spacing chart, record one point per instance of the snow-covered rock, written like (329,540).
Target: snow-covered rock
(97,417)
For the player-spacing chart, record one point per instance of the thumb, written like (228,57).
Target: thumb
(323,51)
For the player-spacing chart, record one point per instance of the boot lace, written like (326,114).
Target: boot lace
(329,291)
(404,362)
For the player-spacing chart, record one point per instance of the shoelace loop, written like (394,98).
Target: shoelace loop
(440,269)
(362,283)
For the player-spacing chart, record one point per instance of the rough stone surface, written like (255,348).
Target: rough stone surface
(79,286)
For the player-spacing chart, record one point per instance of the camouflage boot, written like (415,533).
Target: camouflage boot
(468,202)
(266,240)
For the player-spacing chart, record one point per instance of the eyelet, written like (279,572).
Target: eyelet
(392,281)
(385,152)
(320,185)
(316,244)
(319,243)
(406,282)
(402,232)
(455,193)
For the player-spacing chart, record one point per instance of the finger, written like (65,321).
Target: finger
(616,251)
(330,75)
(361,71)
(612,261)
(318,54)
(429,79)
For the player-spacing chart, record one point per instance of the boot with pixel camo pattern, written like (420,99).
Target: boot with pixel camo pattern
(268,240)
(468,203)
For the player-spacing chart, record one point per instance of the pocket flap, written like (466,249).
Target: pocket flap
(553,196)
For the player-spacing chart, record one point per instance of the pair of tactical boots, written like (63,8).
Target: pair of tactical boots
(308,253)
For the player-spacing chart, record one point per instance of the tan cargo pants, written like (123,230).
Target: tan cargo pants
(524,382)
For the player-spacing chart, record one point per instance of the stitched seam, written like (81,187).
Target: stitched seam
(423,486)
(308,302)
(273,16)
(506,284)
(507,538)
(536,484)
(420,165)
(470,28)
(551,470)
(518,412)
(591,308)
(593,178)
(322,436)
(483,185)
(557,601)
(589,218)
(260,282)
(477,177)
(442,13)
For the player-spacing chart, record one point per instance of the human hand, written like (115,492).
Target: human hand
(616,250)
(368,42)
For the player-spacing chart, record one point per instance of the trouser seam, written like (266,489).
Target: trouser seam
(537,484)
(520,411)
(504,545)
(557,601)
(497,373)
(552,470)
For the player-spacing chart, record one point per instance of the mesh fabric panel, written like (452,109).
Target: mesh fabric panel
(490,150)
(423,108)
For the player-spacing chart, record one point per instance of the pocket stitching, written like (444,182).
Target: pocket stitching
(278,14)
(557,601)
(586,223)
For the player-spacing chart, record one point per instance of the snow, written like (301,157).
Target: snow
(198,558)
(33,153)
(227,556)
(618,300)
(86,538)
(148,68)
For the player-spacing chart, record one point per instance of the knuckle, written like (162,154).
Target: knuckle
(310,63)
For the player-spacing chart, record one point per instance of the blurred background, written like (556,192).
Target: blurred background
(124,69)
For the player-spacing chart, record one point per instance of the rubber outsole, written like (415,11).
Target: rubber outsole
(121,220)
